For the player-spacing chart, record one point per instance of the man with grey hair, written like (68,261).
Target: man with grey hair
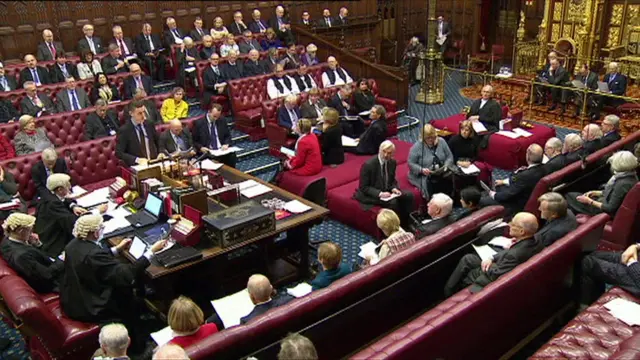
(513,192)
(114,341)
(282,26)
(187,56)
(335,75)
(486,110)
(610,128)
(252,65)
(172,35)
(281,84)
(572,148)
(559,220)
(472,269)
(553,159)
(49,164)
(48,49)
(591,135)
(148,48)
(90,42)
(370,140)
(170,352)
(617,84)
(124,43)
(439,209)
(296,347)
(35,103)
(113,63)
(101,123)
(32,72)
(289,113)
(378,185)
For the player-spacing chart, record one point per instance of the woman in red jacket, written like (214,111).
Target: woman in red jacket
(6,149)
(186,320)
(308,158)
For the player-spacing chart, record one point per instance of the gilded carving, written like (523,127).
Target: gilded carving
(555,32)
(616,14)
(566,30)
(557,11)
(576,11)
(614,37)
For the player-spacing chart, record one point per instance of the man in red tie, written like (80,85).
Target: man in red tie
(136,80)
(124,43)
(48,49)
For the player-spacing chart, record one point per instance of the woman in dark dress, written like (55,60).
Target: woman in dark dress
(363,97)
(331,145)
(465,146)
(102,89)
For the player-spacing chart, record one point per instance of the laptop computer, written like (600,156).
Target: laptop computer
(149,215)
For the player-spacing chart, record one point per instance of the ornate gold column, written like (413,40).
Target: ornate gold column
(583,42)
(431,73)
(542,34)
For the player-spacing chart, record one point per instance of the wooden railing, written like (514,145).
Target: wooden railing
(392,82)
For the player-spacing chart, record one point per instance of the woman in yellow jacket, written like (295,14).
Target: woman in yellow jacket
(174,107)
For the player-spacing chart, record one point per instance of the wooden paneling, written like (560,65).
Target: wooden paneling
(22,22)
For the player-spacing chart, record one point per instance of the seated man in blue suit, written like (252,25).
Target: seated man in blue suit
(260,292)
(289,113)
(617,86)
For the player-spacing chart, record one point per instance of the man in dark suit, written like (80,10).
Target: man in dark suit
(137,140)
(553,154)
(73,98)
(233,68)
(289,113)
(591,138)
(312,108)
(443,32)
(608,267)
(7,82)
(271,61)
(326,21)
(590,80)
(610,127)
(282,26)
(90,42)
(136,80)
(21,250)
(212,133)
(252,66)
(127,49)
(342,18)
(49,164)
(249,43)
(559,220)
(172,35)
(33,72)
(197,33)
(260,292)
(304,81)
(558,76)
(238,26)
(341,101)
(101,123)
(439,209)
(617,84)
(62,69)
(486,110)
(572,150)
(513,193)
(213,80)
(176,139)
(103,282)
(151,111)
(148,47)
(36,104)
(305,20)
(113,63)
(257,25)
(186,57)
(374,135)
(472,269)
(378,184)
(291,59)
(48,49)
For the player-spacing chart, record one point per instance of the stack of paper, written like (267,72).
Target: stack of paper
(296,207)
(368,249)
(146,166)
(501,241)
(208,164)
(94,198)
(300,290)
(485,252)
(221,152)
(509,134)
(624,310)
(478,126)
(232,308)
(115,224)
(522,132)
(77,191)
(471,169)
(393,196)
(287,151)
(163,336)
(349,142)
(252,188)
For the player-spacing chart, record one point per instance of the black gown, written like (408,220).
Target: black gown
(54,223)
(42,272)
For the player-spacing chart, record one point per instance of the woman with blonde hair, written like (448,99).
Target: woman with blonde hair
(30,138)
(218,31)
(186,320)
(397,239)
(332,150)
(270,40)
(429,159)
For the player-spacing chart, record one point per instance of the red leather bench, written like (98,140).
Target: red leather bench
(239,341)
(489,323)
(595,334)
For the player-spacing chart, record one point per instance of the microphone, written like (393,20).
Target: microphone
(200,158)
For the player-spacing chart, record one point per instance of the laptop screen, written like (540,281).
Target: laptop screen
(153,205)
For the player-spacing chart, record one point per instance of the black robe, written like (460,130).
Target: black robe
(42,272)
(54,223)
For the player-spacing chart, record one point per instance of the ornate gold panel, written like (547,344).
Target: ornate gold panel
(557,11)
(555,32)
(616,14)
(566,30)
(614,37)
(633,15)
(576,11)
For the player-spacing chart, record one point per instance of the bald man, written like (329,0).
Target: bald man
(33,72)
(176,139)
(135,80)
(261,292)
(513,192)
(252,65)
(48,49)
(335,75)
(486,110)
(472,270)
(170,352)
(282,26)
(617,84)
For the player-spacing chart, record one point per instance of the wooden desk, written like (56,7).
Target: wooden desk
(298,224)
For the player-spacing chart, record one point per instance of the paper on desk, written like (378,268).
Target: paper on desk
(296,207)
(208,164)
(77,191)
(351,118)
(624,310)
(163,336)
(147,166)
(501,241)
(256,190)
(300,290)
(393,196)
(484,251)
(233,307)
(247,184)
(365,113)
(471,169)
(522,132)
(509,134)
(119,212)
(478,126)
(349,142)
(9,204)
(93,198)
(115,224)
(221,152)
(287,151)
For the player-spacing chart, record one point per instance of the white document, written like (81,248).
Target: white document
(545,159)
(296,207)
(441,39)
(77,191)
(190,69)
(115,224)
(221,152)
(478,126)
(233,307)
(300,290)
(368,249)
(94,198)
(365,113)
(287,151)
(247,184)
(624,310)
(522,132)
(120,212)
(426,221)
(509,134)
(472,169)
(209,164)
(137,248)
(143,167)
(351,118)
(163,336)
(255,191)
(393,196)
(484,251)
(501,241)
(9,204)
(349,142)
(579,84)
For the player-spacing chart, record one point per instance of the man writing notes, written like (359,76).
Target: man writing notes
(212,133)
